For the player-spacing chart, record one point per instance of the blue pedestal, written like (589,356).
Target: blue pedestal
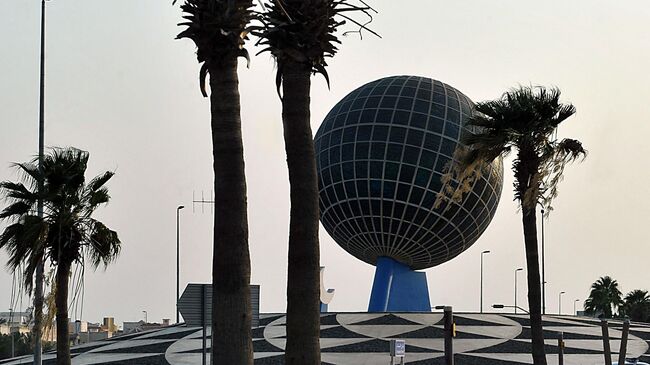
(397,288)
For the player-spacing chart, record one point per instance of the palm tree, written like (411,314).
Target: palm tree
(523,119)
(300,35)
(637,305)
(604,298)
(66,235)
(219,28)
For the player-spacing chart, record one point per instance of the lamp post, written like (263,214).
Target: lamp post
(146,320)
(178,263)
(516,271)
(575,312)
(482,254)
(543,270)
(11,316)
(40,266)
(560,303)
(501,306)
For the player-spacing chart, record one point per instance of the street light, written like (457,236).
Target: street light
(516,271)
(11,315)
(543,270)
(482,253)
(40,266)
(560,302)
(574,306)
(178,264)
(501,306)
(145,317)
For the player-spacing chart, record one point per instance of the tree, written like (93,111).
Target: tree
(300,36)
(637,306)
(604,298)
(23,345)
(219,28)
(523,119)
(66,235)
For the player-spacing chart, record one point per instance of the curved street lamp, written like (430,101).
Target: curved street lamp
(560,303)
(11,318)
(501,306)
(482,254)
(574,307)
(516,271)
(178,264)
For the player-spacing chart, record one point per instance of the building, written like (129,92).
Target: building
(140,326)
(83,332)
(15,317)
(12,322)
(381,154)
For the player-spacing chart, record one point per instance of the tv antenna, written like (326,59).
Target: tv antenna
(203,202)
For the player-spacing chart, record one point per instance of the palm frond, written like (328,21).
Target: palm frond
(219,29)
(17,192)
(552,166)
(104,245)
(16,210)
(303,32)
(29,172)
(99,180)
(24,243)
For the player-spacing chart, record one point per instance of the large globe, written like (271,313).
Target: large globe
(381,153)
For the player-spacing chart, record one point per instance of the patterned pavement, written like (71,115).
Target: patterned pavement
(363,339)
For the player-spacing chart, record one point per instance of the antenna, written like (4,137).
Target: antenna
(203,202)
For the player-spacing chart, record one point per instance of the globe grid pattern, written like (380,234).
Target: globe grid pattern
(381,153)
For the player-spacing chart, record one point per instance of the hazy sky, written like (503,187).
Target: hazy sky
(121,87)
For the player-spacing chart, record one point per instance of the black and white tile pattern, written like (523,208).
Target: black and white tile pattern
(363,339)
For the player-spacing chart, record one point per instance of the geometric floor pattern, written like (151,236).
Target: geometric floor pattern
(363,339)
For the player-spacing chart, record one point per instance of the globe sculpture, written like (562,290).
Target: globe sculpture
(381,153)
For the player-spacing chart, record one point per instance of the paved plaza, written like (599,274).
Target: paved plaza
(363,338)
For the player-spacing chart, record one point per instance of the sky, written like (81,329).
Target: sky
(120,87)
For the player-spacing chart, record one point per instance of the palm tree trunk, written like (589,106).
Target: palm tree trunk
(62,321)
(526,168)
(303,282)
(231,300)
(534,287)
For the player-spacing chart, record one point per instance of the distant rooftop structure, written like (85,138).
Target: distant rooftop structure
(14,317)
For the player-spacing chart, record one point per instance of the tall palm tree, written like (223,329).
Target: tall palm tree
(219,28)
(523,119)
(637,305)
(604,299)
(300,36)
(66,235)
